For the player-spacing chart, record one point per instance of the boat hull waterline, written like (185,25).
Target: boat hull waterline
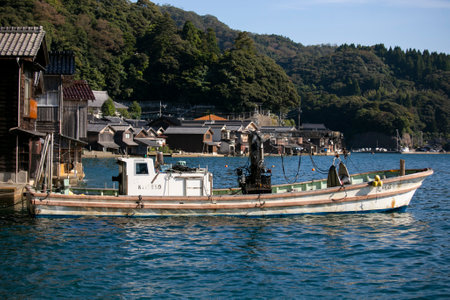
(394,194)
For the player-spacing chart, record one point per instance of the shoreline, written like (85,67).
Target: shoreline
(101,154)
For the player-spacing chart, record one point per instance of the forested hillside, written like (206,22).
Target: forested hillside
(356,89)
(139,51)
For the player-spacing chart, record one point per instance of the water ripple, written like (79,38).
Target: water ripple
(401,255)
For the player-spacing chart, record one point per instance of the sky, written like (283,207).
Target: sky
(410,24)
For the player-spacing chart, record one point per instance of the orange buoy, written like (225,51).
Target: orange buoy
(226,166)
(313,169)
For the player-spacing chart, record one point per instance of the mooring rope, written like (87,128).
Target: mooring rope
(298,169)
(317,167)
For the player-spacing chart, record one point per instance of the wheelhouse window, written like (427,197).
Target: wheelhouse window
(141,169)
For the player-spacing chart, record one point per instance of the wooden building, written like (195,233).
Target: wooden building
(23,58)
(101,138)
(51,112)
(146,140)
(190,139)
(124,137)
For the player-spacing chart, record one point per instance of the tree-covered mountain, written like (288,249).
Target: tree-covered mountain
(140,51)
(356,88)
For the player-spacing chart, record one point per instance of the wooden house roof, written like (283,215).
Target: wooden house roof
(24,42)
(313,126)
(79,90)
(21,41)
(61,63)
(96,127)
(121,128)
(186,130)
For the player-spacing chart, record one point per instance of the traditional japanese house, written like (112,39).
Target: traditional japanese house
(23,58)
(101,138)
(52,108)
(190,139)
(77,94)
(147,141)
(281,139)
(318,138)
(124,137)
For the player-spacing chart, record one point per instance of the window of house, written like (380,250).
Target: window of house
(50,98)
(141,169)
(26,97)
(208,136)
(127,135)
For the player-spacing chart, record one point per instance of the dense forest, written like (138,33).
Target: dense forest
(140,51)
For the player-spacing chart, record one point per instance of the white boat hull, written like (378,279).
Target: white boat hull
(395,193)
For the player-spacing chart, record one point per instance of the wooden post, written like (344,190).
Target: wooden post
(402,167)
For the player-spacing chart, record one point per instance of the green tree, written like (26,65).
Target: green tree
(108,108)
(242,79)
(135,110)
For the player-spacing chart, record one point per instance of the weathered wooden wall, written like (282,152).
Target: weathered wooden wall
(8,114)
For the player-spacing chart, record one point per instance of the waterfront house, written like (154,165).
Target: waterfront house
(319,139)
(101,138)
(23,58)
(147,141)
(281,139)
(124,137)
(191,139)
(55,116)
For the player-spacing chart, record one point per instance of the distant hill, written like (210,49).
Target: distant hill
(356,88)
(141,51)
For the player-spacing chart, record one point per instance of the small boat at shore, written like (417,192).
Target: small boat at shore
(148,188)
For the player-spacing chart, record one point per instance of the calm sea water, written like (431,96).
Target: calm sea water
(358,256)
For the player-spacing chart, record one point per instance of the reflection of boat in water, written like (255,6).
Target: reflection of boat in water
(146,191)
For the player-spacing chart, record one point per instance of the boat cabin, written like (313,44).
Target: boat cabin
(139,177)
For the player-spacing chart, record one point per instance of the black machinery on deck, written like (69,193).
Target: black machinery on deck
(256,178)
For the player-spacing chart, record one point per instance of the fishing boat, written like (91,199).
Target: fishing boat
(148,188)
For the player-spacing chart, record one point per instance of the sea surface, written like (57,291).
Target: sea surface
(347,256)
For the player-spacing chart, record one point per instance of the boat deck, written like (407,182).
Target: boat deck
(276,189)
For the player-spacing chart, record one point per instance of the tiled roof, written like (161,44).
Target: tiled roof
(115,120)
(100,98)
(79,90)
(21,41)
(277,129)
(313,126)
(186,130)
(211,117)
(118,128)
(109,144)
(95,127)
(119,105)
(62,62)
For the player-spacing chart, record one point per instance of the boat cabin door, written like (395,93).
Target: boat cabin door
(121,178)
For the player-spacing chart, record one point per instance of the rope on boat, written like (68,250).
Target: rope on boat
(323,171)
(298,169)
(348,158)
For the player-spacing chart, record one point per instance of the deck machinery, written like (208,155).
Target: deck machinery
(255,178)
